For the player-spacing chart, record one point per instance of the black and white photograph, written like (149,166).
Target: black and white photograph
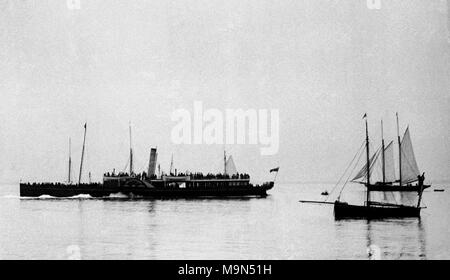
(241,130)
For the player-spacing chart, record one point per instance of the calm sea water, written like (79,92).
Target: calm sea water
(276,227)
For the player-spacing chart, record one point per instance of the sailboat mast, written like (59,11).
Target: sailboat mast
(368,164)
(131,153)
(70,161)
(171,165)
(224,162)
(82,154)
(382,153)
(399,152)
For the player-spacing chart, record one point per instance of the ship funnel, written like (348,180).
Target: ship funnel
(152,162)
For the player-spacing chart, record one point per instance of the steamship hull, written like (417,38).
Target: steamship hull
(137,191)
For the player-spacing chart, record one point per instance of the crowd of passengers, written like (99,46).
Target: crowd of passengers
(58,184)
(196,175)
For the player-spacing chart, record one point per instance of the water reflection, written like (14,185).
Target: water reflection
(396,239)
(380,239)
(274,227)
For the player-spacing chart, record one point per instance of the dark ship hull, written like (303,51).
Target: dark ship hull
(141,189)
(380,187)
(344,210)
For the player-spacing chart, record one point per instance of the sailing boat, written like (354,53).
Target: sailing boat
(408,174)
(229,166)
(408,168)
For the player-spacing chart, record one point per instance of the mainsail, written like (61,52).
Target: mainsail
(363,172)
(389,166)
(230,167)
(409,168)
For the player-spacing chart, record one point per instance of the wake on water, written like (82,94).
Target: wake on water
(118,195)
(46,196)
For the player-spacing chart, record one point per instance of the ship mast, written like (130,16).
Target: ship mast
(368,163)
(82,154)
(224,162)
(70,161)
(382,154)
(399,152)
(131,153)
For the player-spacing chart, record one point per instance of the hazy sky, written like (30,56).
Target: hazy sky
(322,64)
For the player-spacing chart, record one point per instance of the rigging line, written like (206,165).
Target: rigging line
(126,166)
(348,178)
(350,174)
(342,176)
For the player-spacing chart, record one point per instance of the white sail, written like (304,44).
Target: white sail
(409,168)
(230,167)
(363,172)
(389,165)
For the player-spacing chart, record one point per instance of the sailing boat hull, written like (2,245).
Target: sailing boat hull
(344,210)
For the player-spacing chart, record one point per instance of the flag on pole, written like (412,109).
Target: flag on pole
(365,116)
(274,169)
